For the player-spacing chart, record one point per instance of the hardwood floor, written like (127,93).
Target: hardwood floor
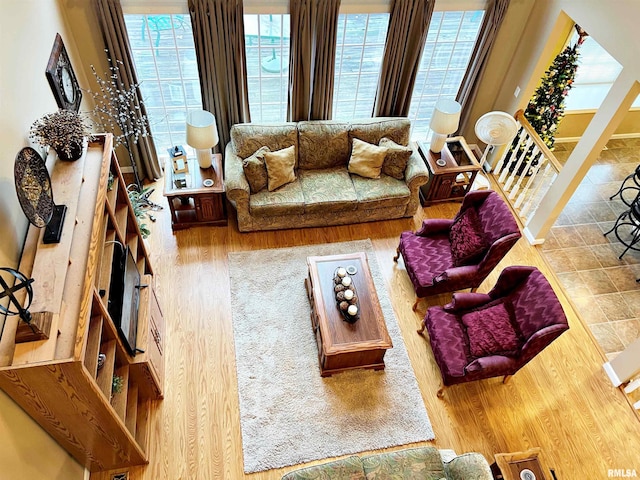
(562,401)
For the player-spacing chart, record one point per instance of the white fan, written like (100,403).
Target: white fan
(495,128)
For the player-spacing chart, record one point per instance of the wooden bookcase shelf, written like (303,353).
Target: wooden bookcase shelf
(64,379)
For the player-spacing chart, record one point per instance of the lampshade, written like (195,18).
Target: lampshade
(446,116)
(444,121)
(202,134)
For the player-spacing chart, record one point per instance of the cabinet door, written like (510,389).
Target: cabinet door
(209,208)
(156,343)
(443,187)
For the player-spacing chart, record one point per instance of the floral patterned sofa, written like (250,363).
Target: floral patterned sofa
(323,192)
(425,463)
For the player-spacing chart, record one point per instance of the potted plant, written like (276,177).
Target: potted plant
(64,131)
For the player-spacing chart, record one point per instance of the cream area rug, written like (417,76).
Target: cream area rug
(289,413)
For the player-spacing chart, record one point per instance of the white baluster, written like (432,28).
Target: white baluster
(509,152)
(533,177)
(533,160)
(521,159)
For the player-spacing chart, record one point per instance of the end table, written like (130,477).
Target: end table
(195,203)
(451,172)
(520,465)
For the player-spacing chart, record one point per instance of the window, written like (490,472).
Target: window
(597,70)
(165,60)
(359,50)
(267,50)
(450,41)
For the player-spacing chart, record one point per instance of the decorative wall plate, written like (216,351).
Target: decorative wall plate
(33,187)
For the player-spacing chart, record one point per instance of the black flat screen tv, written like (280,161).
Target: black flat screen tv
(124,297)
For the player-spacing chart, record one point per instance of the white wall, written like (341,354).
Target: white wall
(27,31)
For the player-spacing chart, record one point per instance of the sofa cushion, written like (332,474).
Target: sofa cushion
(287,200)
(323,144)
(395,162)
(372,130)
(255,170)
(468,242)
(381,192)
(328,190)
(490,331)
(280,167)
(246,138)
(349,468)
(366,159)
(411,463)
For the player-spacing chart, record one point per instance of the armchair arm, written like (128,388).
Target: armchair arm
(456,274)
(498,364)
(466,301)
(469,466)
(434,225)
(235,182)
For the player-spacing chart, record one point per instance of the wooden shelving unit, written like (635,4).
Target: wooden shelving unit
(59,381)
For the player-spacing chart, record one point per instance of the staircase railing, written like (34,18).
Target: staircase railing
(526,170)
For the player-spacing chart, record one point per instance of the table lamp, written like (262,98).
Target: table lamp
(444,121)
(202,134)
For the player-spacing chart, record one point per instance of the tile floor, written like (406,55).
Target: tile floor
(602,287)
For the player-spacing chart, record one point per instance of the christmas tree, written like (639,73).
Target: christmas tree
(546,107)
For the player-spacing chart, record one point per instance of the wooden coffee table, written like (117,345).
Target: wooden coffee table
(342,345)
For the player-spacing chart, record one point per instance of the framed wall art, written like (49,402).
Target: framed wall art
(61,77)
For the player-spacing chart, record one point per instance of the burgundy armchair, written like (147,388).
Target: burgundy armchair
(435,256)
(483,335)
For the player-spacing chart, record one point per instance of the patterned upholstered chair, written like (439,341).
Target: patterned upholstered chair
(448,255)
(483,335)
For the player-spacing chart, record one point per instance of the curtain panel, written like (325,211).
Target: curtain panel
(314,25)
(406,37)
(218,34)
(116,40)
(493,17)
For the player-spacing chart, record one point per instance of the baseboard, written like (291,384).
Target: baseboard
(613,376)
(531,238)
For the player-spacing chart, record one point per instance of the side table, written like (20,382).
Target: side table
(520,465)
(451,172)
(196,204)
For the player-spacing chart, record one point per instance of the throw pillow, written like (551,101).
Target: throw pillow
(255,170)
(395,163)
(280,167)
(366,159)
(468,243)
(490,331)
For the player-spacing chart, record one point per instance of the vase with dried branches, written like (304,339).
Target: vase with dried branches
(118,110)
(64,131)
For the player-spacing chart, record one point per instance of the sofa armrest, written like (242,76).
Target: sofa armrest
(469,466)
(349,468)
(416,174)
(235,182)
